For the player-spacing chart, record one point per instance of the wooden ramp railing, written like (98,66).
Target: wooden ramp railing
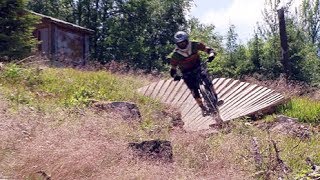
(240,99)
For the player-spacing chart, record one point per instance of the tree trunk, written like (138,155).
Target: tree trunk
(284,43)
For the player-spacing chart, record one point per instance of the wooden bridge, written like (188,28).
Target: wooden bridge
(240,99)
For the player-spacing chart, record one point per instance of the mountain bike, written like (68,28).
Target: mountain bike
(205,89)
(209,98)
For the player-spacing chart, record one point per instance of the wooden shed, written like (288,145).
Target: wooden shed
(62,40)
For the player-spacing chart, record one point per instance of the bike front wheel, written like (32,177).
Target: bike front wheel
(209,98)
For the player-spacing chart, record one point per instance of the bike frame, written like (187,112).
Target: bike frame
(206,90)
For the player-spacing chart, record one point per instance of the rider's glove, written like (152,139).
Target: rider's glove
(174,75)
(211,57)
(173,72)
(177,78)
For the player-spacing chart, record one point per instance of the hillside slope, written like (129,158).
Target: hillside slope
(48,127)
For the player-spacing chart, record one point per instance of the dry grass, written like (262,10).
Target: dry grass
(287,88)
(94,145)
(90,144)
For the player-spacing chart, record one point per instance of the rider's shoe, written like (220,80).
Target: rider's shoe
(204,111)
(220,102)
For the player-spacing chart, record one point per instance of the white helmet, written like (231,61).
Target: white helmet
(180,36)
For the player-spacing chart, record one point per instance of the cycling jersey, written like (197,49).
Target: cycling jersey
(188,59)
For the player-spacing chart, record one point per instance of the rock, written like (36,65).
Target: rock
(127,110)
(285,119)
(290,126)
(153,150)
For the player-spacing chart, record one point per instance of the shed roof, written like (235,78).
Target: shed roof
(64,23)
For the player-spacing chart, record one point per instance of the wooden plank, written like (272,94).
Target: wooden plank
(277,101)
(214,82)
(233,94)
(143,90)
(262,93)
(168,91)
(191,110)
(237,89)
(204,124)
(188,105)
(179,95)
(150,89)
(221,95)
(157,89)
(174,92)
(195,116)
(271,101)
(186,97)
(238,99)
(195,122)
(223,85)
(165,86)
(218,83)
(232,102)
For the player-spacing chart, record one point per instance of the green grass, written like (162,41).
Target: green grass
(305,109)
(51,89)
(66,87)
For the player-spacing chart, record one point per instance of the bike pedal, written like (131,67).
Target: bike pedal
(204,114)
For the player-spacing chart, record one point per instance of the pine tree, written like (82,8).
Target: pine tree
(16,27)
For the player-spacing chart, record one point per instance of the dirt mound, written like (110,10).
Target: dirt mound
(153,150)
(126,110)
(173,115)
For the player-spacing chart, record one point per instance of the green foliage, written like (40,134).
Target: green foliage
(311,65)
(205,34)
(306,110)
(255,48)
(270,64)
(14,74)
(234,60)
(310,15)
(49,7)
(137,32)
(79,97)
(20,96)
(16,27)
(301,33)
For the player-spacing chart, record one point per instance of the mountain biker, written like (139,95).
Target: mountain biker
(186,57)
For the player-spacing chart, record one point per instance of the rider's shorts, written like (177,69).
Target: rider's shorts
(191,79)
